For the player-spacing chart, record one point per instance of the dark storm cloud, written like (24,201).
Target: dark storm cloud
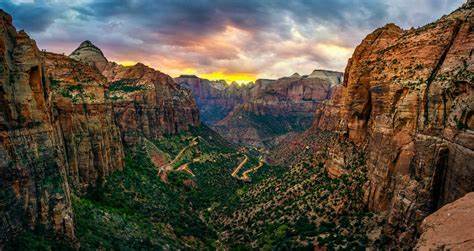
(265,37)
(201,17)
(33,17)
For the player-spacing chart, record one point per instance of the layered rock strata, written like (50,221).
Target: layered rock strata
(33,190)
(274,108)
(146,102)
(449,228)
(64,122)
(215,99)
(86,121)
(407,102)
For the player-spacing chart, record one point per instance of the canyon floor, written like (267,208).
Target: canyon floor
(225,197)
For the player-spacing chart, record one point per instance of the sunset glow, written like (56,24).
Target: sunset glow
(241,78)
(232,40)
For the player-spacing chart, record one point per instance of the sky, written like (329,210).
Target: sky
(239,40)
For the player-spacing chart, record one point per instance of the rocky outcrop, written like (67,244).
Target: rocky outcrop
(273,108)
(449,228)
(215,99)
(90,54)
(86,121)
(63,122)
(146,102)
(407,103)
(34,192)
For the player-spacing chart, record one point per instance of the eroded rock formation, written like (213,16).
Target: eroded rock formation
(449,228)
(86,121)
(146,102)
(215,99)
(274,108)
(407,102)
(63,123)
(33,190)
(90,54)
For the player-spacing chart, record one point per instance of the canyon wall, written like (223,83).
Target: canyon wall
(450,227)
(86,121)
(64,122)
(146,102)
(274,108)
(407,102)
(215,99)
(33,188)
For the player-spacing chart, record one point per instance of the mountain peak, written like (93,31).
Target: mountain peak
(90,54)
(86,43)
(295,75)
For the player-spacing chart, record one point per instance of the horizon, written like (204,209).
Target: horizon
(222,40)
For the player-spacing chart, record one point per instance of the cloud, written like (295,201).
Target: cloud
(30,15)
(264,38)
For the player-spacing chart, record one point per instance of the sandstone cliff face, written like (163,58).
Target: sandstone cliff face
(62,124)
(273,108)
(146,102)
(33,188)
(407,102)
(449,228)
(215,99)
(86,121)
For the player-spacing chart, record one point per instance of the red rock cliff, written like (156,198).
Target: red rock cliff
(215,99)
(146,102)
(407,102)
(86,121)
(274,108)
(34,189)
(63,123)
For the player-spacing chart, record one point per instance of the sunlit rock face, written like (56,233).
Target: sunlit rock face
(33,181)
(86,121)
(146,102)
(407,103)
(274,108)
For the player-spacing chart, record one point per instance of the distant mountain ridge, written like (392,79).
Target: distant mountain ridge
(258,112)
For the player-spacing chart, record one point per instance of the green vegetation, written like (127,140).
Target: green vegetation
(299,208)
(268,126)
(148,208)
(54,83)
(283,208)
(136,209)
(67,91)
(75,93)
(125,85)
(39,239)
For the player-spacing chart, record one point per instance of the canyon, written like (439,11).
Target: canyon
(65,123)
(97,155)
(260,114)
(406,103)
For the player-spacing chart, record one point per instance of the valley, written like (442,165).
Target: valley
(96,155)
(263,113)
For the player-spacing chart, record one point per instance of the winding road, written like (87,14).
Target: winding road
(245,175)
(237,169)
